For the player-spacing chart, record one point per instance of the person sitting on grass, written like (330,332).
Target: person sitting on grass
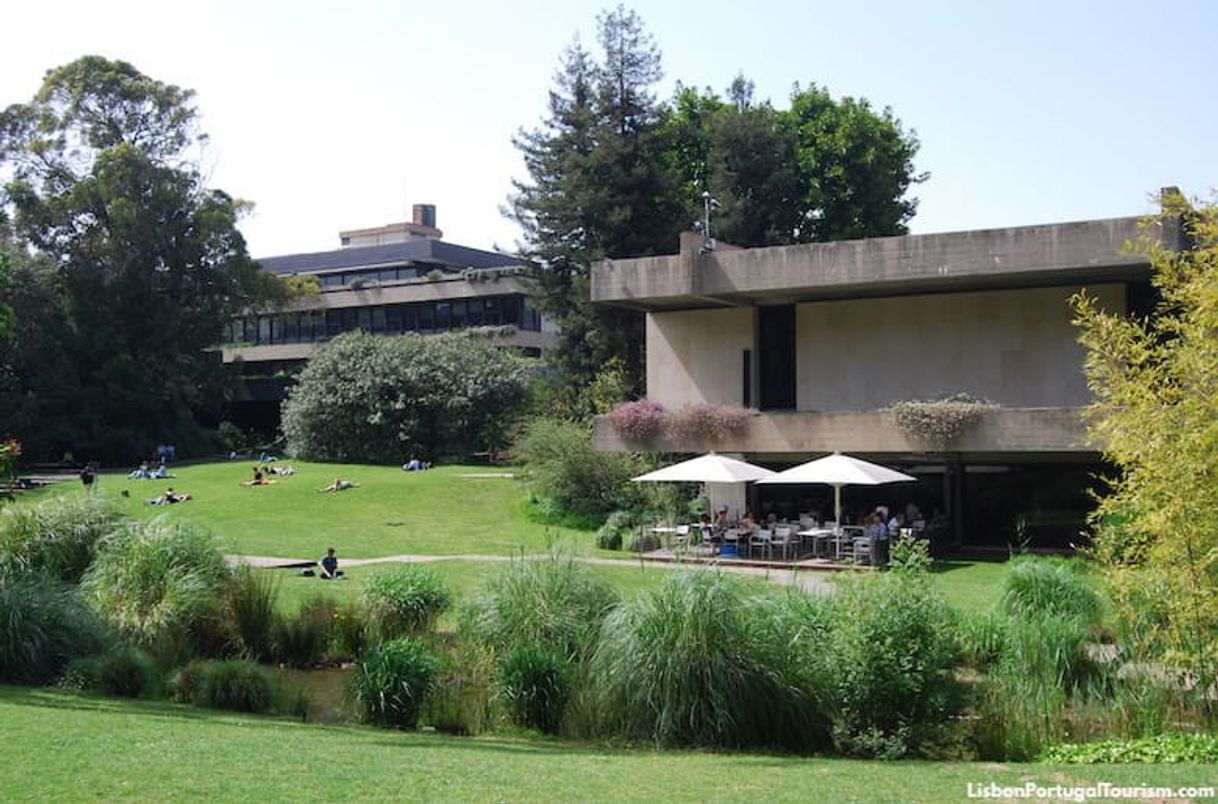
(140,473)
(340,485)
(162,473)
(413,465)
(282,471)
(259,479)
(329,566)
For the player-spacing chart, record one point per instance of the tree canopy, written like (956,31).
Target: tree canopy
(140,261)
(372,398)
(1155,416)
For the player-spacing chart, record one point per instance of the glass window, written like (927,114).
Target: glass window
(378,319)
(388,274)
(474,313)
(291,328)
(264,329)
(427,318)
(349,319)
(410,318)
(444,315)
(393,319)
(363,317)
(458,314)
(511,310)
(492,315)
(332,281)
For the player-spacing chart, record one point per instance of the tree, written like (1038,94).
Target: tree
(148,261)
(597,187)
(371,398)
(1155,415)
(820,170)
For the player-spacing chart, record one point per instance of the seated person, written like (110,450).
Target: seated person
(258,479)
(329,566)
(161,473)
(413,465)
(339,485)
(140,473)
(267,457)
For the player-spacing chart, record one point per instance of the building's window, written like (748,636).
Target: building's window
(458,314)
(291,328)
(346,241)
(393,319)
(444,315)
(334,323)
(329,281)
(473,313)
(776,357)
(388,274)
(531,351)
(350,319)
(531,320)
(427,318)
(492,315)
(363,317)
(264,329)
(410,318)
(378,319)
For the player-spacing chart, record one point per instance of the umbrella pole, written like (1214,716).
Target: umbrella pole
(837,504)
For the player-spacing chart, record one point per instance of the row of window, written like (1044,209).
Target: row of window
(388,319)
(335,281)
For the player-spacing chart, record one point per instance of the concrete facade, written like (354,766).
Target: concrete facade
(695,355)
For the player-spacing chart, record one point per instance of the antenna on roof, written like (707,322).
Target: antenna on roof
(708,203)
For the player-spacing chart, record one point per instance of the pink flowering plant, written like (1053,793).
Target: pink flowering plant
(704,422)
(637,421)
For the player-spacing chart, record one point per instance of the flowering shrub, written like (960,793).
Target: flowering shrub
(938,421)
(705,422)
(638,420)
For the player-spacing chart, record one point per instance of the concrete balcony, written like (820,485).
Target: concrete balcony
(998,433)
(522,338)
(1028,256)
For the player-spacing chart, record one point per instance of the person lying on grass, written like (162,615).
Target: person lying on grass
(169,498)
(282,471)
(340,485)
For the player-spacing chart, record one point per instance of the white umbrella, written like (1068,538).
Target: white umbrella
(717,471)
(710,468)
(839,470)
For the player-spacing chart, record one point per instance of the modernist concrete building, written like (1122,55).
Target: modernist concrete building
(819,340)
(394,279)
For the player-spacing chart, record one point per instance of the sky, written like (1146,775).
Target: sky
(340,115)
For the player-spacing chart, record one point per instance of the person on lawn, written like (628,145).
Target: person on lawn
(329,566)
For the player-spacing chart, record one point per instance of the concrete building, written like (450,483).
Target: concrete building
(394,279)
(820,340)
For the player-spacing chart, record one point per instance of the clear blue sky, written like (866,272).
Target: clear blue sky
(332,115)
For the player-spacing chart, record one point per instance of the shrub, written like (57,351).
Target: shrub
(1049,586)
(460,702)
(393,681)
(404,600)
(609,537)
(43,626)
(370,398)
(58,536)
(186,681)
(566,471)
(239,685)
(1201,749)
(535,682)
(125,672)
(80,674)
(350,631)
(251,606)
(705,423)
(159,583)
(302,640)
(553,601)
(700,662)
(981,637)
(891,650)
(637,421)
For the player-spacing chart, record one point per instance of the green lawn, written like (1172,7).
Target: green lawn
(63,746)
(442,512)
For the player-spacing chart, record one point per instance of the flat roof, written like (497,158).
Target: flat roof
(425,250)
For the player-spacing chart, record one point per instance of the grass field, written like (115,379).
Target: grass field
(61,746)
(448,511)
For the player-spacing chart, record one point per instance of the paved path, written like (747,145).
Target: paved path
(808,580)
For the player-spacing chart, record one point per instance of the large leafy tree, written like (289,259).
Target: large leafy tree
(824,169)
(597,187)
(364,397)
(147,261)
(1156,417)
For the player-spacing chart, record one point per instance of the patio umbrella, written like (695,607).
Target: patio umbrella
(839,470)
(712,469)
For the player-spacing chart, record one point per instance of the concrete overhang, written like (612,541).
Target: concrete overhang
(1079,253)
(522,338)
(796,435)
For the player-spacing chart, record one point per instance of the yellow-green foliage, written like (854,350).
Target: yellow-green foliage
(1155,416)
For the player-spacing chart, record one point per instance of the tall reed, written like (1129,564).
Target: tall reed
(43,625)
(58,536)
